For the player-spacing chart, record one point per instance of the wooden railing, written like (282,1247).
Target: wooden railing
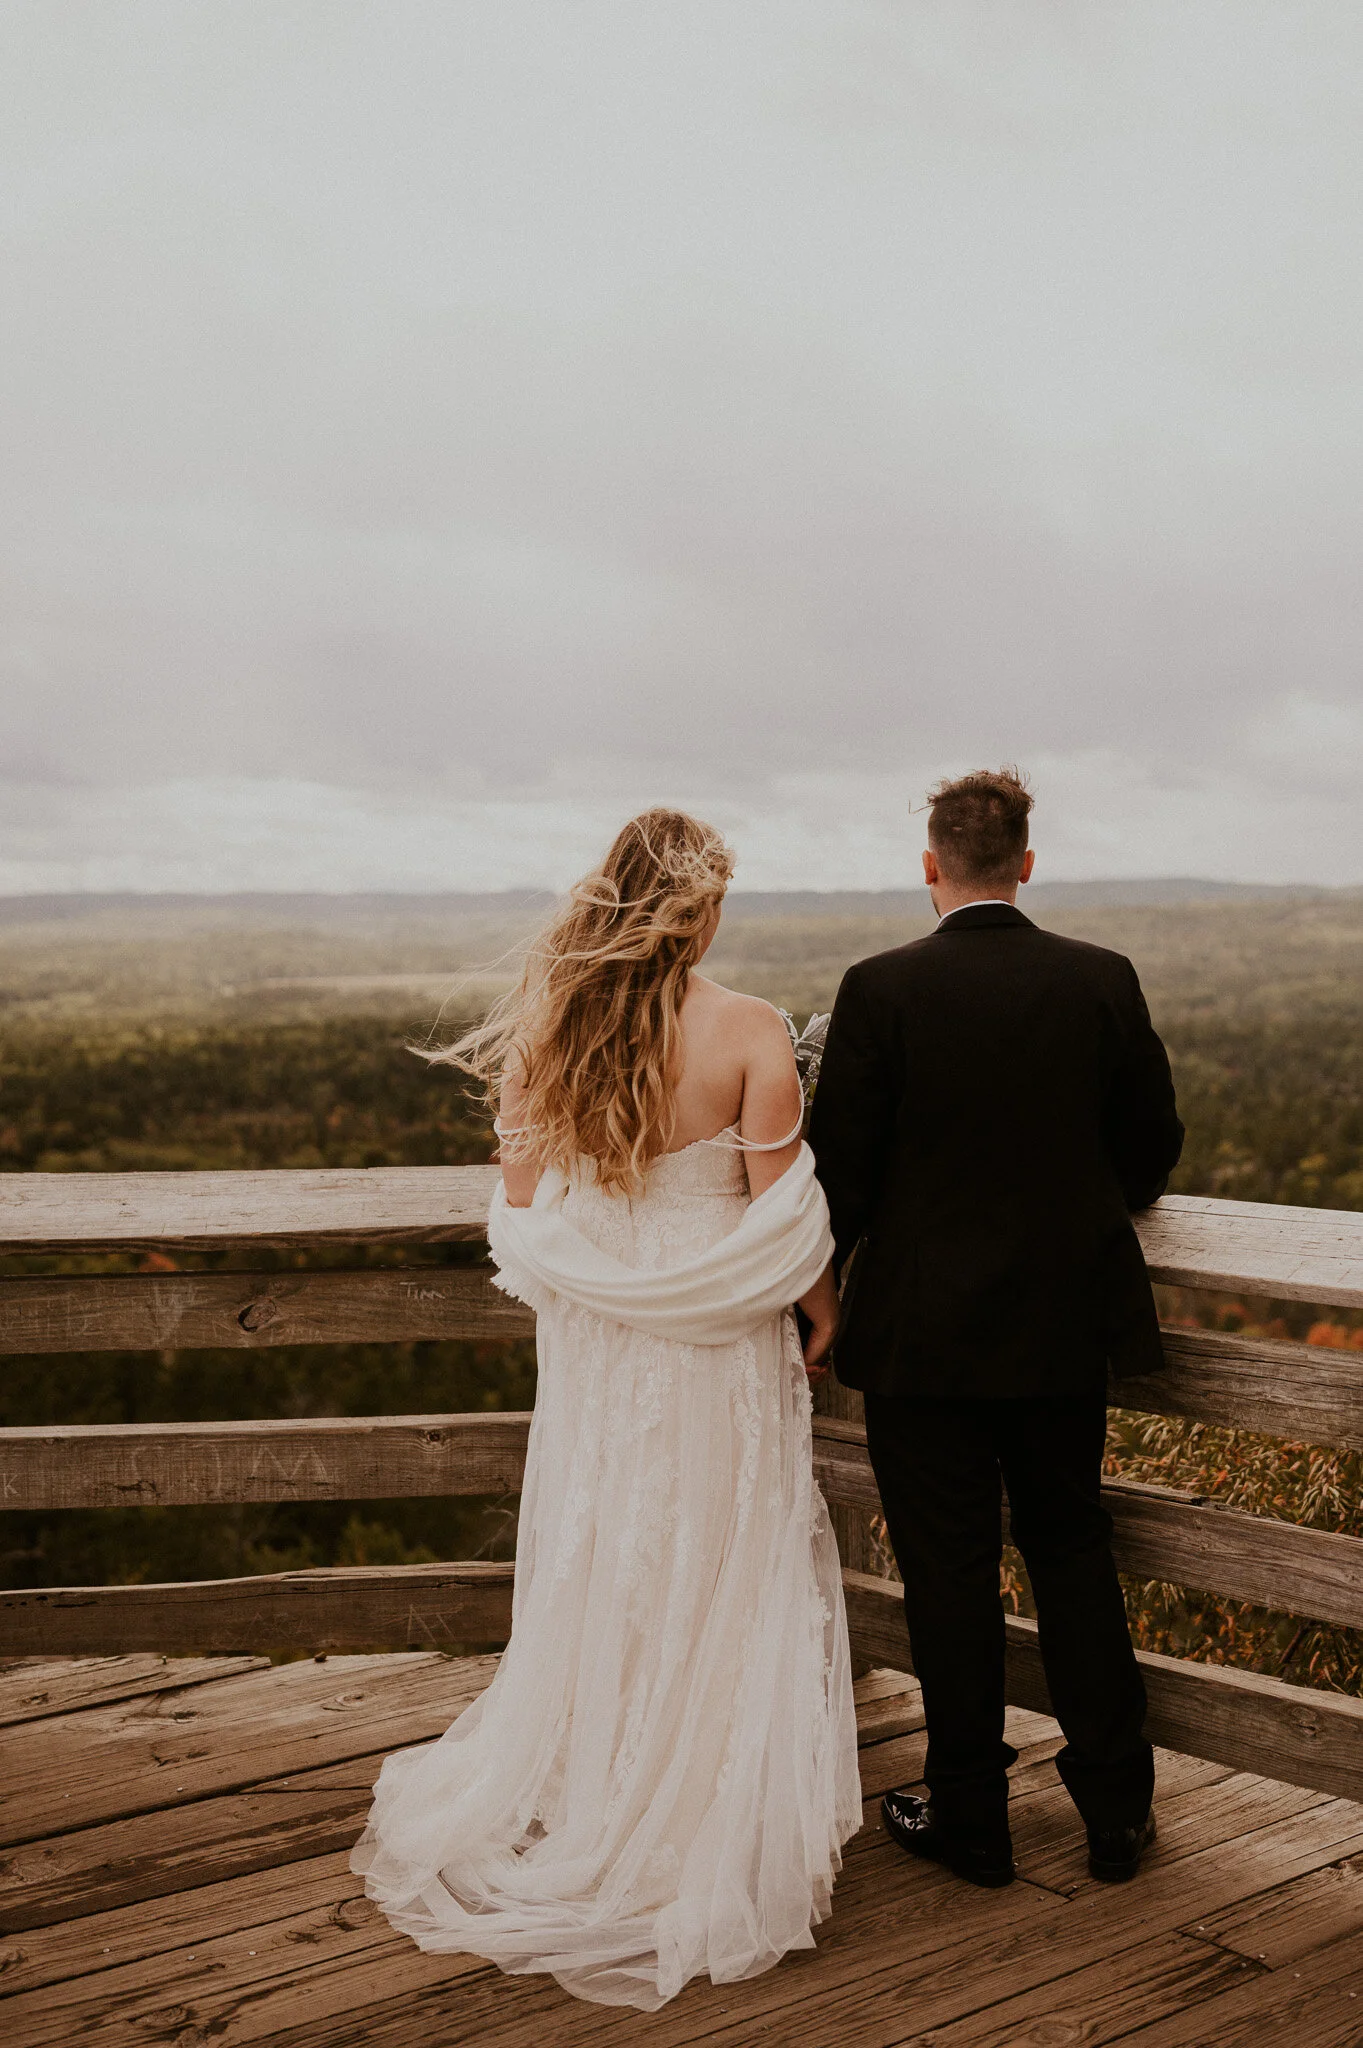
(1291,1391)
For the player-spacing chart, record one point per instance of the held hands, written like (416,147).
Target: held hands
(818,1344)
(820,1308)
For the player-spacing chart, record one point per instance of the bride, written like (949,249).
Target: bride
(659,1780)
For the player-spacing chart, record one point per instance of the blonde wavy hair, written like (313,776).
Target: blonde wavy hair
(592,1032)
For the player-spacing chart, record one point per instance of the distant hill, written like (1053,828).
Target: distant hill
(1178,889)
(267,908)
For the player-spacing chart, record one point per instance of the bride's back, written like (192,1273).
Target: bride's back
(737,1070)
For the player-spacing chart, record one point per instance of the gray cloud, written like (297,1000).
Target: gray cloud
(432,406)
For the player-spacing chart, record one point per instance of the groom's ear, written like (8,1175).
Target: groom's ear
(1028,863)
(931,872)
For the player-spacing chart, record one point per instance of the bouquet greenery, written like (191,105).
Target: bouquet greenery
(808,1046)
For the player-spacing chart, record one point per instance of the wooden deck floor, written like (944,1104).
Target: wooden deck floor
(174,1871)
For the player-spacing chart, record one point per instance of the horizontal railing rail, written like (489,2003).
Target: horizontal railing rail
(1231,1717)
(1301,1393)
(175,1464)
(1237,1718)
(86,1212)
(1158,1532)
(250,1311)
(1295,1392)
(1189,1240)
(335,1607)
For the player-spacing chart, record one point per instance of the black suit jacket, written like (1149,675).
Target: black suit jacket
(993,1102)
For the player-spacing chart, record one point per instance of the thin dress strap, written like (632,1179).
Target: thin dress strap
(502,1130)
(729,1138)
(732,1141)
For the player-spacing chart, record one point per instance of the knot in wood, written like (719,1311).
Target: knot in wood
(353,1913)
(259,1314)
(169,2021)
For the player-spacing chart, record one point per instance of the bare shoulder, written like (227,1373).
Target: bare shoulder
(748,1025)
(743,1019)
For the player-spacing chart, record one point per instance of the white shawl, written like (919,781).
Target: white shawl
(768,1261)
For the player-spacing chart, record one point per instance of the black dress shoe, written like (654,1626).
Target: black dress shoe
(912,1823)
(1115,1853)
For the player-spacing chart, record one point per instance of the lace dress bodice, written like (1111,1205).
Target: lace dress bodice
(691,1199)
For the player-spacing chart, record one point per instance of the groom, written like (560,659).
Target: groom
(993,1102)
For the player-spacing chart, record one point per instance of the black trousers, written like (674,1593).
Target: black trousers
(938,1464)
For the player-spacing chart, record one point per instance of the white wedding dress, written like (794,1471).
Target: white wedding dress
(659,1780)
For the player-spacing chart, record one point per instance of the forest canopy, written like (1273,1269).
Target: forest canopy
(161,1037)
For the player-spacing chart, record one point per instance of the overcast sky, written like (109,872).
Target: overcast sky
(431,431)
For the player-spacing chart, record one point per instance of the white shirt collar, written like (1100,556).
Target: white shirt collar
(979,904)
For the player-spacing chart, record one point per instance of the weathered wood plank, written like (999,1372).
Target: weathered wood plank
(1199,1804)
(851,1521)
(419,1606)
(33,1687)
(92,1874)
(1269,1248)
(322,1458)
(1194,1541)
(871,1982)
(1282,1925)
(1258,1247)
(1158,1979)
(886,1949)
(81,1770)
(888,1703)
(846,1482)
(1296,1392)
(1183,1538)
(240,1981)
(899,1760)
(177,1917)
(325,1458)
(188,1846)
(1187,1539)
(69,1212)
(905,1951)
(1239,1718)
(210,1311)
(1300,1393)
(1319,2003)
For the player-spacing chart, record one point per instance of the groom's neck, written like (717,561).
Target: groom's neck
(948,896)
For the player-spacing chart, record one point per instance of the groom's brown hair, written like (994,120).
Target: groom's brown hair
(977,825)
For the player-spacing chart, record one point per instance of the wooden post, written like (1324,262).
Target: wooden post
(851,1525)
